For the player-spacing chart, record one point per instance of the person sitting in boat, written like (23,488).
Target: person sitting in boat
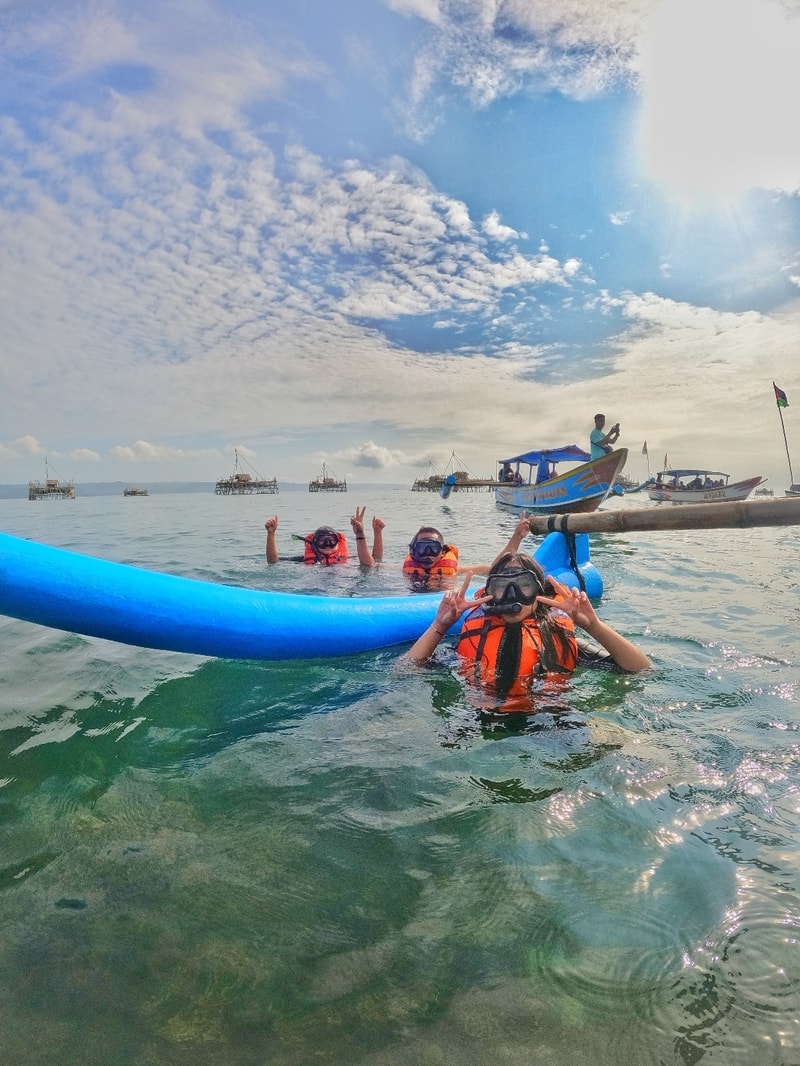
(327,546)
(695,483)
(520,630)
(509,476)
(543,471)
(601,443)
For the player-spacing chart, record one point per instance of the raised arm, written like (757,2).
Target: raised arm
(521,531)
(271,525)
(451,606)
(579,607)
(378,525)
(612,436)
(365,556)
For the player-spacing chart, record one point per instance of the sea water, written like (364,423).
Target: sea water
(226,863)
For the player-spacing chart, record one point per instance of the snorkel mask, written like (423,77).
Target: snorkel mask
(511,590)
(325,537)
(425,550)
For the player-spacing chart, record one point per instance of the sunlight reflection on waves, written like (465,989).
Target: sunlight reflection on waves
(741,979)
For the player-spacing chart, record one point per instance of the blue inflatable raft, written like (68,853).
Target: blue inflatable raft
(82,594)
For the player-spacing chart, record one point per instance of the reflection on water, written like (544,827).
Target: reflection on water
(208,862)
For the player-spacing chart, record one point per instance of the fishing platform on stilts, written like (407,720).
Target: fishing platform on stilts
(458,480)
(240,483)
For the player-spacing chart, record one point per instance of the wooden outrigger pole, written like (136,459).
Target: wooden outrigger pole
(732,513)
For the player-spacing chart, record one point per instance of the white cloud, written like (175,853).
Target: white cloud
(161,295)
(719,78)
(721,83)
(21,447)
(428,10)
(378,457)
(488,50)
(494,228)
(144,452)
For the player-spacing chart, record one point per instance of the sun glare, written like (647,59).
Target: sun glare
(721,81)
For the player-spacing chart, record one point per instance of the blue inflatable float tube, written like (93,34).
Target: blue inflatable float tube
(82,594)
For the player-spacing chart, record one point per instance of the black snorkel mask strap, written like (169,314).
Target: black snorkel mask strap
(305,540)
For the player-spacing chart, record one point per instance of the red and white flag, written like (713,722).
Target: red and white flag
(644,448)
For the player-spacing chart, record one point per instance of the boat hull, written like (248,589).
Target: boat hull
(738,490)
(578,490)
(98,598)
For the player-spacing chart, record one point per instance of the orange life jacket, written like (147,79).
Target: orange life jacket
(445,566)
(479,647)
(338,555)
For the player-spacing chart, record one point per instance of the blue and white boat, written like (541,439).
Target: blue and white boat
(531,481)
(700,486)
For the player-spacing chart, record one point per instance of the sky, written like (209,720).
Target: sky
(391,234)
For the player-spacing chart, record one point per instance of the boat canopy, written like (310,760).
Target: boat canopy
(693,473)
(570,453)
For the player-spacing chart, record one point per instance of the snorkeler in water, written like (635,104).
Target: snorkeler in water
(430,562)
(327,546)
(521,627)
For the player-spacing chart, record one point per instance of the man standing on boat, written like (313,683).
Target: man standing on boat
(602,443)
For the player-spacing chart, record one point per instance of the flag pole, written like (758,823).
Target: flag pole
(646,452)
(785,441)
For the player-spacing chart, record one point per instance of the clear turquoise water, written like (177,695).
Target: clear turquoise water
(209,862)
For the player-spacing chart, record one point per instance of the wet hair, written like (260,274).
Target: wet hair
(324,529)
(426,530)
(555,642)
